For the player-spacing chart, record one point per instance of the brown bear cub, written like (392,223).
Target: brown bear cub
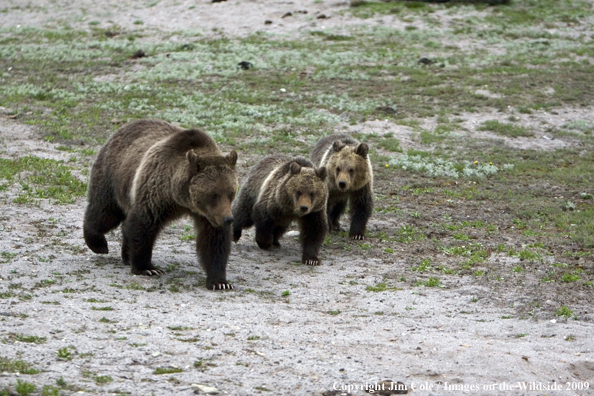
(350,179)
(277,191)
(150,173)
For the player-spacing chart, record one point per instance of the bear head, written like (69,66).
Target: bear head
(305,190)
(348,166)
(212,186)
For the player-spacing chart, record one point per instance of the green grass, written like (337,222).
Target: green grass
(167,370)
(16,366)
(505,129)
(41,178)
(564,311)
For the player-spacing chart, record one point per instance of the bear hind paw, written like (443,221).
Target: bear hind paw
(153,271)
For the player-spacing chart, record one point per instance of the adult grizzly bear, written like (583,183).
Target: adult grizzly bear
(350,179)
(277,191)
(150,173)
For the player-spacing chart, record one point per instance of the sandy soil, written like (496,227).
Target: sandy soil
(329,334)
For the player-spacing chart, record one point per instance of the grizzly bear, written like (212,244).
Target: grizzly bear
(278,190)
(150,173)
(350,179)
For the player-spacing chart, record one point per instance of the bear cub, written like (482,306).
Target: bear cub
(278,190)
(350,180)
(150,173)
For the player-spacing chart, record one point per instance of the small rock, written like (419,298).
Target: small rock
(322,16)
(209,390)
(287,14)
(426,61)
(218,1)
(155,354)
(268,22)
(245,65)
(138,54)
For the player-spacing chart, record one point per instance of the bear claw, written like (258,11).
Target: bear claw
(153,271)
(312,262)
(222,286)
(358,237)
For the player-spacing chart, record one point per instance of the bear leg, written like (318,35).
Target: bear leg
(361,205)
(102,215)
(242,218)
(139,236)
(264,235)
(336,208)
(313,230)
(264,226)
(277,232)
(213,246)
(125,250)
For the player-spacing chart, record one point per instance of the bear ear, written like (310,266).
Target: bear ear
(322,173)
(232,158)
(337,145)
(295,168)
(193,160)
(362,149)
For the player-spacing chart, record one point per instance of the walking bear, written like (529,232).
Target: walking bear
(350,179)
(150,173)
(277,191)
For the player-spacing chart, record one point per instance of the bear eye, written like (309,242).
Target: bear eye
(311,195)
(298,193)
(351,171)
(338,170)
(214,197)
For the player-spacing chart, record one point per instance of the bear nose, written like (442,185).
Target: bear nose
(304,208)
(228,220)
(342,184)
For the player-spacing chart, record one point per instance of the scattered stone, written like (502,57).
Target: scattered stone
(111,34)
(301,12)
(219,1)
(336,393)
(268,22)
(245,65)
(138,54)
(322,16)
(209,390)
(287,14)
(387,109)
(426,61)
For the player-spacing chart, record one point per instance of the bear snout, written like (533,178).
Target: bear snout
(304,208)
(228,220)
(342,185)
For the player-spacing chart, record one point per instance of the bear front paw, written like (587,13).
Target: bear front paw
(312,261)
(357,237)
(222,286)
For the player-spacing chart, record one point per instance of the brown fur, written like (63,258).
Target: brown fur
(350,180)
(277,191)
(150,173)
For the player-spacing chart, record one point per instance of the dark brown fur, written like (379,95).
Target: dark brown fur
(277,191)
(150,173)
(350,180)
